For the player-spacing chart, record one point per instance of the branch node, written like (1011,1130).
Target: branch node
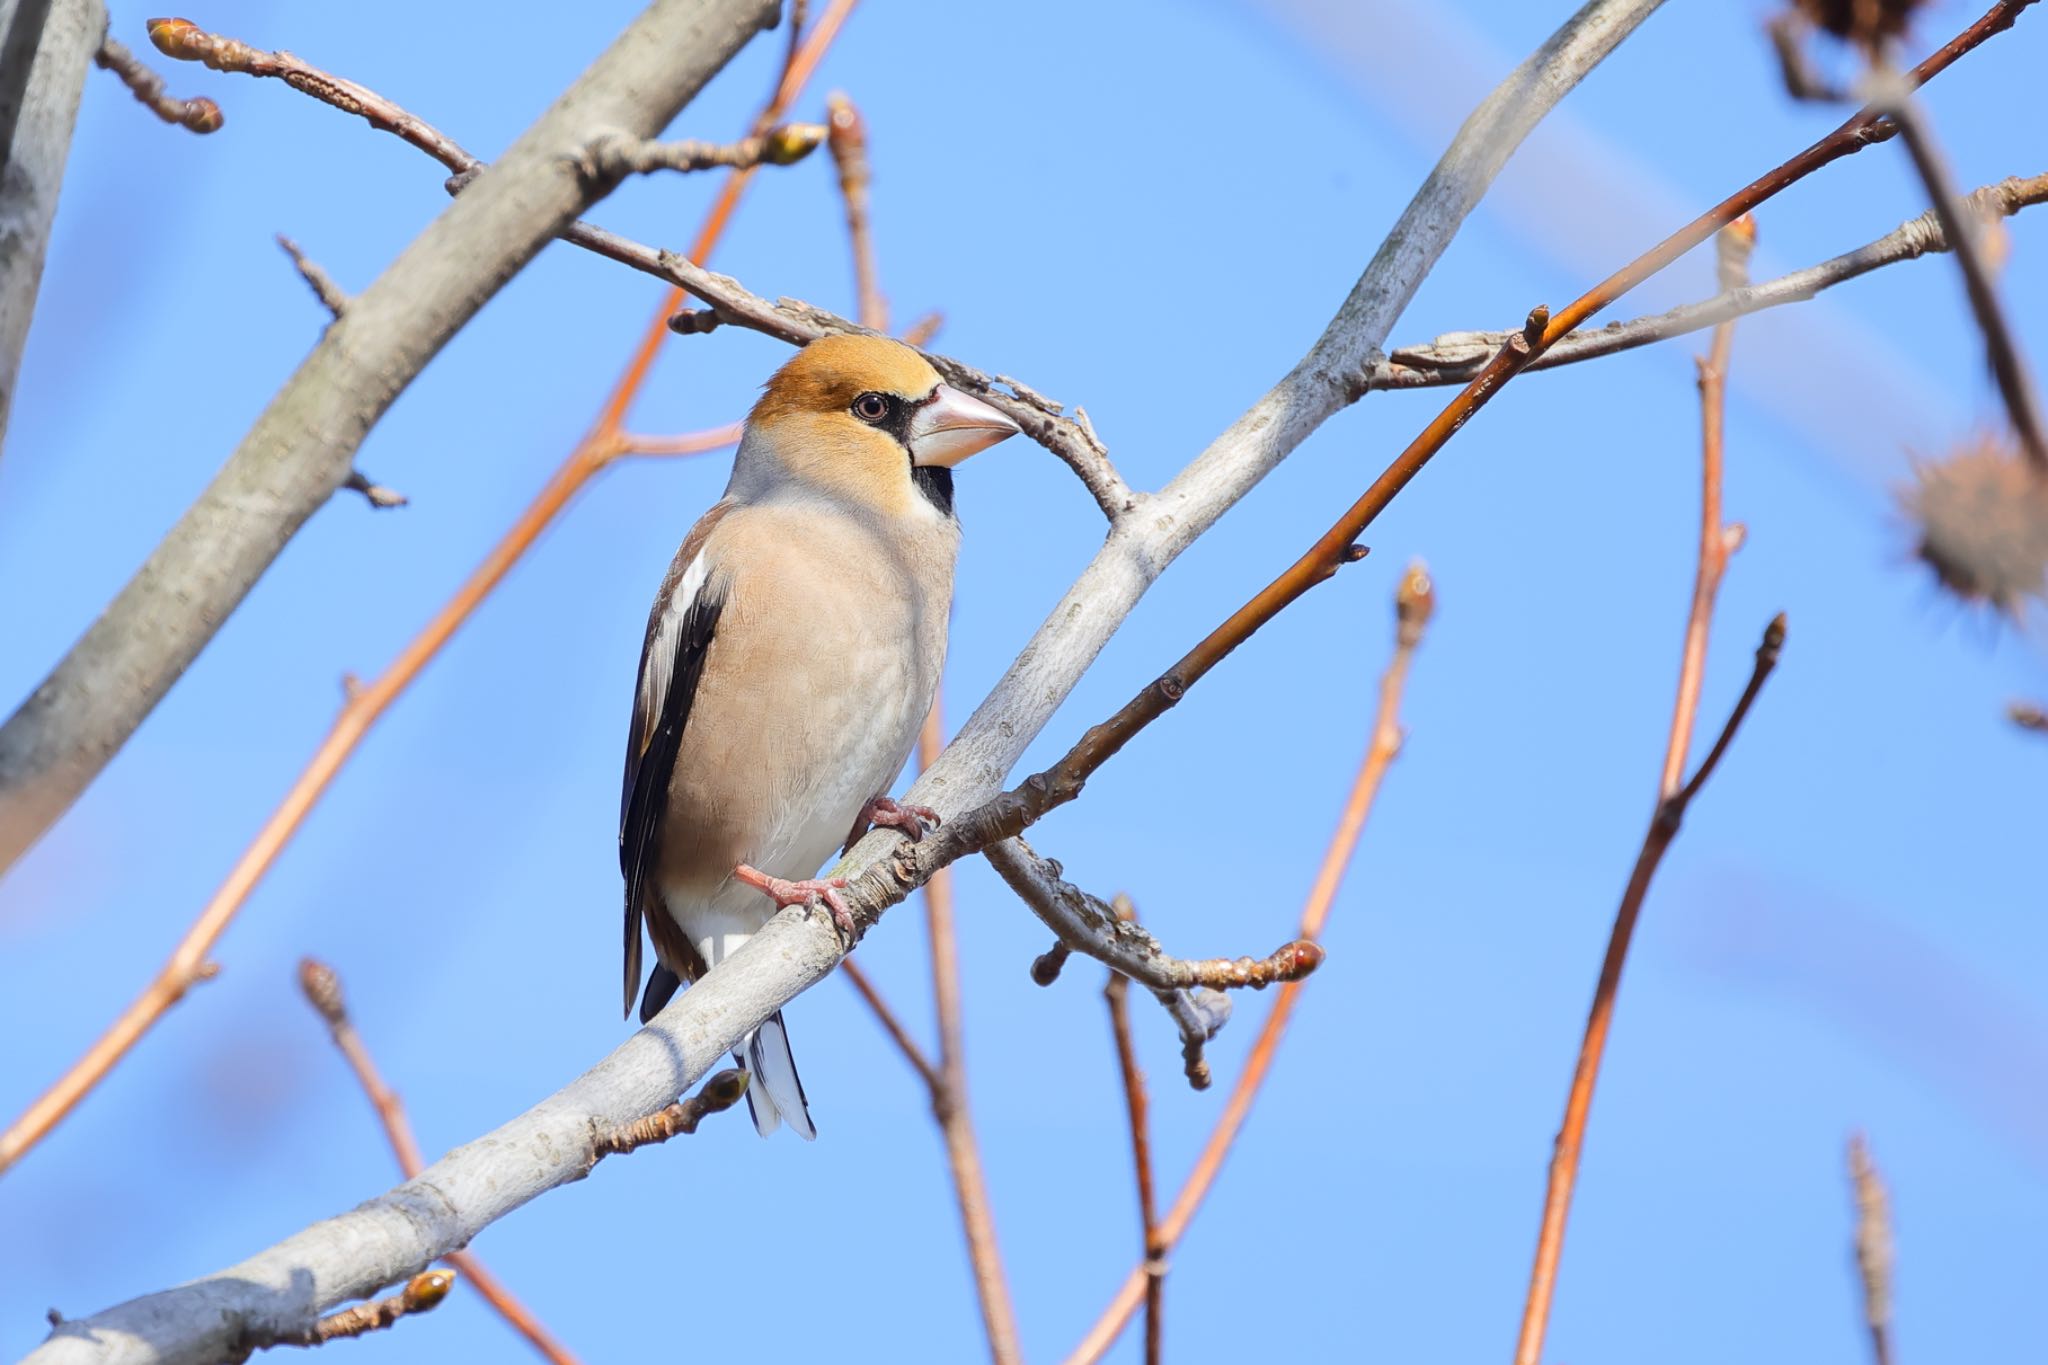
(718,1094)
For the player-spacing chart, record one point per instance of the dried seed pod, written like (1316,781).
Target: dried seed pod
(1982,518)
(1864,21)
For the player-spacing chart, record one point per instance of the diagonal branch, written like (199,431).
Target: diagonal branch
(321,986)
(1138,1108)
(302,447)
(1456,356)
(1414,602)
(2001,347)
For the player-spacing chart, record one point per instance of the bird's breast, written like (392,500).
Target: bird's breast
(825,661)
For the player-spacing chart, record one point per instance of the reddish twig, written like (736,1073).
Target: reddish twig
(200,115)
(1117,993)
(892,1024)
(605,442)
(1415,600)
(849,143)
(1716,541)
(322,989)
(950,1105)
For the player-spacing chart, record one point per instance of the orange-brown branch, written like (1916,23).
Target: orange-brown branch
(322,989)
(605,442)
(1716,541)
(1138,1108)
(1414,601)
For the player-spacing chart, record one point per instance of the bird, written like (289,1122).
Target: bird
(792,652)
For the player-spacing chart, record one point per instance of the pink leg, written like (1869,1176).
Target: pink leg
(882,812)
(809,891)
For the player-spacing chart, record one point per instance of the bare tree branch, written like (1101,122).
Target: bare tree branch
(1414,602)
(1874,1252)
(200,115)
(321,985)
(45,48)
(1456,356)
(301,449)
(352,1255)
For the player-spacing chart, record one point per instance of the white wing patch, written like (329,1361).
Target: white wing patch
(661,650)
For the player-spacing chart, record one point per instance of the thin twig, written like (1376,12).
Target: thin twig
(1117,993)
(422,1292)
(1414,602)
(1089,925)
(680,1119)
(950,1100)
(187,42)
(1964,233)
(605,441)
(1455,357)
(200,115)
(892,1024)
(321,986)
(1564,1163)
(1716,542)
(374,493)
(319,281)
(849,143)
(616,155)
(1874,1254)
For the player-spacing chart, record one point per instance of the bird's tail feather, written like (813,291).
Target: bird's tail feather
(776,1093)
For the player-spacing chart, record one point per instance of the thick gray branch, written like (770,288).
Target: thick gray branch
(378,1243)
(303,446)
(45,48)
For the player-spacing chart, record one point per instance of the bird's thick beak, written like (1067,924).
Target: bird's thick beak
(950,426)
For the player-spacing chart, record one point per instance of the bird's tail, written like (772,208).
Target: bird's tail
(776,1093)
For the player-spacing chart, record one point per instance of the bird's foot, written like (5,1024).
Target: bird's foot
(882,812)
(809,891)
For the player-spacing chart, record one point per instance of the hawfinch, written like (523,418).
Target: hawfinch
(791,655)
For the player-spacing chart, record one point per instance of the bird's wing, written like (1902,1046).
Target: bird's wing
(679,632)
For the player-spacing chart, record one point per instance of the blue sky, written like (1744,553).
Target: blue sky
(1150,209)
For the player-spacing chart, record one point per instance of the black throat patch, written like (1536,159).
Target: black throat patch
(936,483)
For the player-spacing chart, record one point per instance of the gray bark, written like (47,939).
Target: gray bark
(303,446)
(394,1235)
(45,48)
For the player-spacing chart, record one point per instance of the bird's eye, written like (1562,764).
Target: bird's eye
(871,407)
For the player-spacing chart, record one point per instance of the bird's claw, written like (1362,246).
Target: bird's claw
(810,891)
(883,812)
